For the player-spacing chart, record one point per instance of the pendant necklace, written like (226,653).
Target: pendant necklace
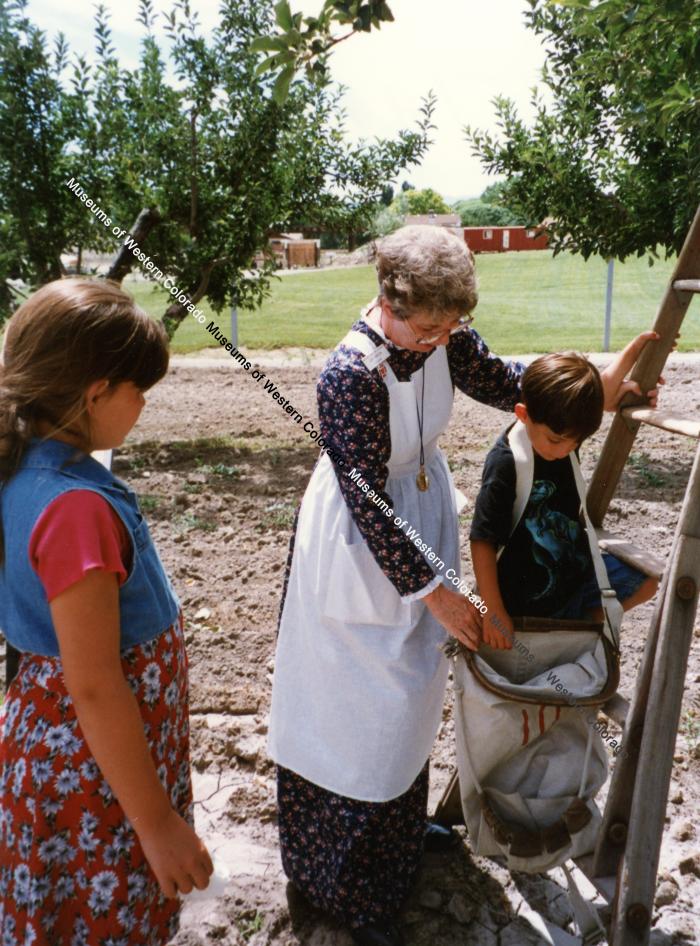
(422,481)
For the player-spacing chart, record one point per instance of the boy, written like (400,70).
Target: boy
(545,568)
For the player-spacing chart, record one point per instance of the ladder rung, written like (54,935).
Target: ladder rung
(674,423)
(616,709)
(687,285)
(638,558)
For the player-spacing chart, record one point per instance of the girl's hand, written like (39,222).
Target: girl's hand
(86,619)
(500,639)
(177,857)
(456,614)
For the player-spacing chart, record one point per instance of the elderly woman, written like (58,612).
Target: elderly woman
(370,596)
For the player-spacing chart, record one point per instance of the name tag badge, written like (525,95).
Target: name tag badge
(376,357)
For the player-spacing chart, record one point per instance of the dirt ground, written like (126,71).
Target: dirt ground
(220,468)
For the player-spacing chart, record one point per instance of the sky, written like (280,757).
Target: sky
(466,51)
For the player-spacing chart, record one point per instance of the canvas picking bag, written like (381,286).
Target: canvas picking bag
(530,761)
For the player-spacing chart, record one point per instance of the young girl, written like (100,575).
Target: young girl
(96,835)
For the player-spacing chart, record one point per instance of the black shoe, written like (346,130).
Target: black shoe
(439,840)
(377,934)
(297,904)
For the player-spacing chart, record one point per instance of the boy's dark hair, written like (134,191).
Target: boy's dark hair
(564,391)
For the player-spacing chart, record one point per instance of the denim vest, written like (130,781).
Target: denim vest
(147,602)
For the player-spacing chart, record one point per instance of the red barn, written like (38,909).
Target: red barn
(503,239)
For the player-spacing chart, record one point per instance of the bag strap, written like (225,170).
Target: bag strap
(612,609)
(524,458)
(585,914)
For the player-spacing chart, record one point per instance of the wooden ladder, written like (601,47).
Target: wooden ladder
(624,865)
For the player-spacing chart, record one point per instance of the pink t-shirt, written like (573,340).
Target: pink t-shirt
(77,532)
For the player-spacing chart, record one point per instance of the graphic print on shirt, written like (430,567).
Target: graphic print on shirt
(556,539)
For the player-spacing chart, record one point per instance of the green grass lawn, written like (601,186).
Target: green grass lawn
(529,301)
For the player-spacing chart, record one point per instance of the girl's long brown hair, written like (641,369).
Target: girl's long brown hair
(67,335)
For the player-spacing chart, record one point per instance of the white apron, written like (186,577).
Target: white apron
(360,676)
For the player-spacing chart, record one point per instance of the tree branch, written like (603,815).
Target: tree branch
(176,311)
(194,191)
(124,260)
(338,39)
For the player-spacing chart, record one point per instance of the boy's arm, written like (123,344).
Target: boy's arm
(613,376)
(497,625)
(490,529)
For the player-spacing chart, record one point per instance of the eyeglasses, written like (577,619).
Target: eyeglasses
(462,325)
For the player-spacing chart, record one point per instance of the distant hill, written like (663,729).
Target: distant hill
(451,200)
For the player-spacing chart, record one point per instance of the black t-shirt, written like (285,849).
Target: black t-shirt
(547,557)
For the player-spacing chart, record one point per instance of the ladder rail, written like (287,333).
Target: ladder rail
(640,860)
(626,858)
(614,827)
(646,371)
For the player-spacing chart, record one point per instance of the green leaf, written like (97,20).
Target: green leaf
(280,91)
(575,4)
(283,15)
(274,62)
(266,43)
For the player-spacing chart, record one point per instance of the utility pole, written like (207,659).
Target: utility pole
(234,322)
(608,306)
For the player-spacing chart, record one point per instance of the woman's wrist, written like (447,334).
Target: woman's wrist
(436,594)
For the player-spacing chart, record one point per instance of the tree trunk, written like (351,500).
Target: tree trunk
(124,260)
(173,316)
(54,270)
(176,311)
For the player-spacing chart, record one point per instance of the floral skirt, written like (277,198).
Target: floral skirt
(356,860)
(72,871)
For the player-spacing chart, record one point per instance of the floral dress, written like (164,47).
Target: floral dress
(72,871)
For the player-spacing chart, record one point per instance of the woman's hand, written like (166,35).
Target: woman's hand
(177,857)
(456,614)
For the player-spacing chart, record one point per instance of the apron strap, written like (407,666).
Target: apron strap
(364,344)
(360,341)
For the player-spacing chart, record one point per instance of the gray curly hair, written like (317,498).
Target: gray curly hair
(426,268)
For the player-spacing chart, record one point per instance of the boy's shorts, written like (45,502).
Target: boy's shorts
(624,580)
